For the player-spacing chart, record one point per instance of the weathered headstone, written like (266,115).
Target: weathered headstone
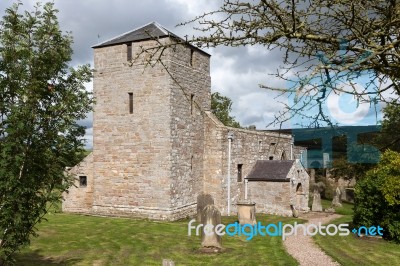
(167,262)
(316,205)
(349,194)
(336,198)
(246,212)
(312,176)
(210,218)
(331,210)
(295,212)
(202,201)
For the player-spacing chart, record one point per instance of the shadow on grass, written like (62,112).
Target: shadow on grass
(33,258)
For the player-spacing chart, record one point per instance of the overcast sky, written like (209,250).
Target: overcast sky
(235,72)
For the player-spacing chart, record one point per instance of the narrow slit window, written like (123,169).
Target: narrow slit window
(239,172)
(191,57)
(130,102)
(191,103)
(83,181)
(259,145)
(129,52)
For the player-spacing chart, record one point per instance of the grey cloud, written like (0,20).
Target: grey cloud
(251,58)
(92,18)
(88,121)
(257,108)
(252,119)
(89,138)
(235,72)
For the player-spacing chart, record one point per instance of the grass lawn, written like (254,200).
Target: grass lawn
(353,250)
(67,239)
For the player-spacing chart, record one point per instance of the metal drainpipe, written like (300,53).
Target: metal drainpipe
(291,148)
(245,188)
(230,138)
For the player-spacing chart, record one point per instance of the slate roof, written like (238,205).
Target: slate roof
(146,32)
(270,170)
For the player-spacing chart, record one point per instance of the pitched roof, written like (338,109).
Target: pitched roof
(270,170)
(146,32)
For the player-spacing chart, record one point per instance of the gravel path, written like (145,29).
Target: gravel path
(303,248)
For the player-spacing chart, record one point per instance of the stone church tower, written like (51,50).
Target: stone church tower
(157,146)
(148,126)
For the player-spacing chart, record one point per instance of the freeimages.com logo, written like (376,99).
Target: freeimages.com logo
(326,104)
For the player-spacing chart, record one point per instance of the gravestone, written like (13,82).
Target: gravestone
(316,205)
(336,198)
(295,212)
(246,212)
(349,194)
(330,210)
(318,188)
(312,176)
(167,262)
(210,218)
(203,200)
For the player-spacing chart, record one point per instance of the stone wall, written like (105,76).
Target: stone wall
(213,175)
(131,150)
(148,161)
(153,157)
(277,197)
(248,146)
(271,197)
(78,198)
(299,186)
(190,96)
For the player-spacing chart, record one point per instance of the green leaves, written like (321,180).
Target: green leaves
(221,108)
(390,135)
(41,99)
(377,196)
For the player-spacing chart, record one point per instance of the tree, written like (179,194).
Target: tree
(221,108)
(387,138)
(330,47)
(41,101)
(377,197)
(390,134)
(341,168)
(326,44)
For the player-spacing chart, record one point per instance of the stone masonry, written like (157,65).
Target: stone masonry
(156,145)
(281,196)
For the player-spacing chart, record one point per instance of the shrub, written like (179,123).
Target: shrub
(377,197)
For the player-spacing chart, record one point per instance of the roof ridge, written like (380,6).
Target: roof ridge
(148,31)
(267,160)
(161,27)
(135,29)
